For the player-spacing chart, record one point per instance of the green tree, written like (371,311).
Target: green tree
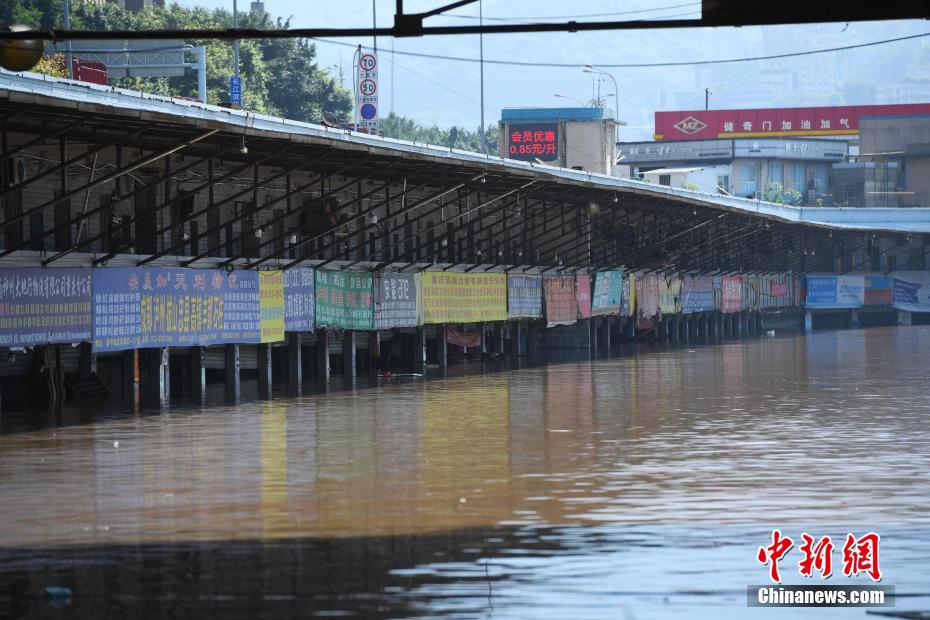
(402,128)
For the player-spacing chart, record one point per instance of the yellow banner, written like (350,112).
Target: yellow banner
(271,305)
(464,297)
(669,294)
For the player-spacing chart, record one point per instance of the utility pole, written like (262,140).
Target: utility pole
(484,140)
(706,98)
(68,56)
(235,22)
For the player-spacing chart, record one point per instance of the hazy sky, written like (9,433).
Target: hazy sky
(448,92)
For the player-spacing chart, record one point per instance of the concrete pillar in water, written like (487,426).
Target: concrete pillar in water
(198,374)
(154,378)
(374,353)
(295,372)
(904,318)
(442,351)
(130,383)
(674,326)
(630,327)
(532,338)
(686,333)
(608,320)
(854,318)
(88,362)
(499,332)
(322,358)
(484,344)
(264,370)
(808,321)
(233,383)
(348,358)
(592,337)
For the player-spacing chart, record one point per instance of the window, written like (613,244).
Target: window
(723,183)
(820,179)
(798,178)
(665,179)
(776,173)
(748,186)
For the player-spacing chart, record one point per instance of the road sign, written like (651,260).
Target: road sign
(366,92)
(235,91)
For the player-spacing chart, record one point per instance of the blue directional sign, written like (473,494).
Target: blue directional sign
(235,91)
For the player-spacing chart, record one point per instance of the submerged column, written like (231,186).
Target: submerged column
(233,384)
(348,357)
(295,373)
(904,318)
(442,351)
(809,320)
(198,374)
(88,361)
(264,370)
(154,377)
(322,357)
(130,380)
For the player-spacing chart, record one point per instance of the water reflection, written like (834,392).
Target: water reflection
(587,486)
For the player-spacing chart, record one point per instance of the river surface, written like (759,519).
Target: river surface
(635,487)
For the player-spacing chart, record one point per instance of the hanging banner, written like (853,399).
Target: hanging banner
(697,294)
(344,299)
(299,302)
(271,305)
(731,294)
(608,293)
(45,306)
(749,293)
(464,297)
(779,289)
(583,295)
(561,303)
(911,291)
(669,294)
(835,291)
(647,296)
(524,297)
(397,300)
(461,338)
(141,307)
(628,296)
(877,290)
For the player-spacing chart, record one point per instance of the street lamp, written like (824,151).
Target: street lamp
(564,96)
(591,69)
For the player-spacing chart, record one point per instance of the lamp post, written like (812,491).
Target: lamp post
(591,69)
(564,96)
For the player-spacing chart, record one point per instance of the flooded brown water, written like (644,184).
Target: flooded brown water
(635,487)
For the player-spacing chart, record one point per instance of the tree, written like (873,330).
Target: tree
(395,126)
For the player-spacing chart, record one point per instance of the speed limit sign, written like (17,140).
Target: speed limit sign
(367,87)
(367,62)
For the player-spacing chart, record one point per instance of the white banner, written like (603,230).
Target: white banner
(911,291)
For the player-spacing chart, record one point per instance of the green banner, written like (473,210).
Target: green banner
(344,299)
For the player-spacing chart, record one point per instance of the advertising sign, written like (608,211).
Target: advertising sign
(608,293)
(463,338)
(628,296)
(583,295)
(669,294)
(731,294)
(299,302)
(140,307)
(779,289)
(750,292)
(235,91)
(528,142)
(524,297)
(397,300)
(773,122)
(647,296)
(911,291)
(366,95)
(561,304)
(44,306)
(835,291)
(697,294)
(877,290)
(464,297)
(344,299)
(271,305)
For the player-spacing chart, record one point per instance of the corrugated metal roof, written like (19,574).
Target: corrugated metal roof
(552,114)
(31,88)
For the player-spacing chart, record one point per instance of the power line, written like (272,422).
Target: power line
(523,18)
(518,63)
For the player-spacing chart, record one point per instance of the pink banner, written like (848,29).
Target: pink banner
(561,307)
(732,294)
(647,297)
(583,295)
(779,289)
(463,339)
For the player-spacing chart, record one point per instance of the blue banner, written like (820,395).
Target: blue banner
(608,293)
(299,305)
(911,291)
(835,291)
(160,307)
(697,294)
(44,306)
(524,297)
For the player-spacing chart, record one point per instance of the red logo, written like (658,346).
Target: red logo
(860,555)
(690,125)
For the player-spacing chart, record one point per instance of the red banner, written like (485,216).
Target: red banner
(773,122)
(463,339)
(732,294)
(583,295)
(779,289)
(561,306)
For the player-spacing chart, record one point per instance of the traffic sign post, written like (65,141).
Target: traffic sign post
(235,91)
(366,92)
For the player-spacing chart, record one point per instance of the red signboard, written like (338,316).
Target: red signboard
(528,142)
(561,307)
(583,295)
(732,294)
(774,122)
